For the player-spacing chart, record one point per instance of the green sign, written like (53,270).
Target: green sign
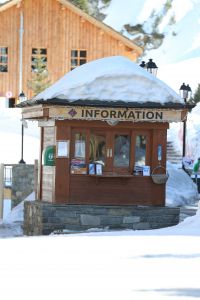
(49,156)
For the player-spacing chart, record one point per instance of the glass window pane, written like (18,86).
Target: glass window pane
(4,50)
(34,50)
(1,59)
(121,151)
(3,68)
(43,51)
(74,53)
(4,59)
(82,61)
(79,149)
(97,147)
(140,150)
(83,53)
(74,62)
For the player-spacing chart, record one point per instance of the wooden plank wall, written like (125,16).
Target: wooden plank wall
(48,172)
(47,24)
(9,30)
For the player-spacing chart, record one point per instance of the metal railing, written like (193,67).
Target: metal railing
(8,175)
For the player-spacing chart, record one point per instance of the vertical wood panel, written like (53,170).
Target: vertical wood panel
(62,175)
(48,25)
(48,173)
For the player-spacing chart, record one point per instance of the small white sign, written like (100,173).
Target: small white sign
(63,148)
(9,94)
(98,169)
(146,170)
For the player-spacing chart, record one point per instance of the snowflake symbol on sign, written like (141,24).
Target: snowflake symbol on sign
(72,112)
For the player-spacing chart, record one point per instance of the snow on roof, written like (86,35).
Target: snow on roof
(113,78)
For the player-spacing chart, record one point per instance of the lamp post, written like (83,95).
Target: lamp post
(150,66)
(22,98)
(185,92)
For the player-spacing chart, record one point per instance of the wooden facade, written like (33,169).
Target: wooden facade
(57,27)
(116,185)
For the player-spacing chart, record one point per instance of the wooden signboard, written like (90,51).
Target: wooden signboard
(116,114)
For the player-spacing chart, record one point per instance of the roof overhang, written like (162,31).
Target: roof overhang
(9,4)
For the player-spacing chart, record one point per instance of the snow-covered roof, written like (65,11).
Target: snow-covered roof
(108,79)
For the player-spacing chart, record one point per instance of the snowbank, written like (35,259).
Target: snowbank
(180,189)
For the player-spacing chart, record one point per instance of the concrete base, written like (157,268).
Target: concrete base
(42,218)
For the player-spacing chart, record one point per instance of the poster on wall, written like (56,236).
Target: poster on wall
(62,149)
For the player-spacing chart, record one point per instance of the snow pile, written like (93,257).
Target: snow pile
(17,213)
(180,189)
(113,78)
(12,225)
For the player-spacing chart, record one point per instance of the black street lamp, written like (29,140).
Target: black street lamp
(150,66)
(185,93)
(22,98)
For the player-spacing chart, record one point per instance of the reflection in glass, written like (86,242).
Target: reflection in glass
(121,150)
(82,62)
(74,53)
(97,148)
(80,140)
(140,150)
(3,68)
(83,53)
(3,50)
(74,62)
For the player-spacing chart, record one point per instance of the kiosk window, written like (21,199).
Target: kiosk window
(79,145)
(97,147)
(121,150)
(140,150)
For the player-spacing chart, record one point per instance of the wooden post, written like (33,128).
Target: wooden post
(1,189)
(36,178)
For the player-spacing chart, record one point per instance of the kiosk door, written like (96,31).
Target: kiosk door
(112,149)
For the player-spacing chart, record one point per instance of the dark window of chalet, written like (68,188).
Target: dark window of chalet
(39,58)
(3,59)
(78,58)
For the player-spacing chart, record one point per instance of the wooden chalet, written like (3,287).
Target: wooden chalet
(65,35)
(96,150)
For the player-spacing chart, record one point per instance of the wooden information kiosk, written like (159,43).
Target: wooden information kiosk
(104,152)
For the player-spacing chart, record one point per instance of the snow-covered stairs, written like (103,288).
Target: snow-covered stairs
(173,155)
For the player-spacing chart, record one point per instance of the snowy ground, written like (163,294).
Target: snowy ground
(154,264)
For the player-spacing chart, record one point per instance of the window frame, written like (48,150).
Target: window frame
(110,138)
(77,57)
(3,55)
(41,55)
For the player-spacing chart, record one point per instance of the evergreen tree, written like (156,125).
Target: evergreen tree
(196,98)
(147,35)
(39,80)
(82,4)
